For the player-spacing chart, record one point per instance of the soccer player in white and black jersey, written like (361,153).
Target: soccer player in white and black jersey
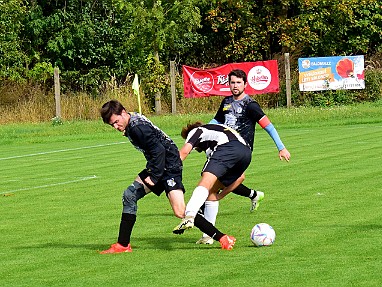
(228,156)
(241,113)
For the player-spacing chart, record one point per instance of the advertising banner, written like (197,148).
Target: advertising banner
(331,73)
(262,77)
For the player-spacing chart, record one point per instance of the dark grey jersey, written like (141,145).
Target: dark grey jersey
(240,115)
(159,150)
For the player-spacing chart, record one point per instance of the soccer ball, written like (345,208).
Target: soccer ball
(263,234)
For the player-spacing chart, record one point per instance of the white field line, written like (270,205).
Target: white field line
(60,150)
(52,184)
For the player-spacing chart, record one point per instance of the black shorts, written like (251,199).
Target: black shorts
(169,181)
(228,162)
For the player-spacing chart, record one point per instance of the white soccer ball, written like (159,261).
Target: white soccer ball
(263,234)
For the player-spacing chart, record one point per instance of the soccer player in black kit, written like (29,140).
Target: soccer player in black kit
(163,172)
(241,113)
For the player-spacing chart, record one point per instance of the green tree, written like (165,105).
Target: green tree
(160,32)
(248,28)
(13,60)
(83,38)
(260,29)
(333,27)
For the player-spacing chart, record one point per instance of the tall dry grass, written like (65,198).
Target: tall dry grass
(40,106)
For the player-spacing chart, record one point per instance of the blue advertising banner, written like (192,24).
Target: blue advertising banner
(331,73)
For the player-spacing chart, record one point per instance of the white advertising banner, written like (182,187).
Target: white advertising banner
(331,73)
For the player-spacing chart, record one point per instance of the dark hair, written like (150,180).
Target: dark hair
(186,130)
(238,73)
(110,108)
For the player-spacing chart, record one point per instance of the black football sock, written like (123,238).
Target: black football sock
(242,190)
(125,228)
(201,209)
(207,227)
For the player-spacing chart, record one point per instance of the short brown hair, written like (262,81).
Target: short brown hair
(110,108)
(238,73)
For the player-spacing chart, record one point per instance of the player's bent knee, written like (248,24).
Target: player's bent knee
(130,197)
(179,213)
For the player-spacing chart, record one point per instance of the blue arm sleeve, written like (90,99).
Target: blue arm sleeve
(213,121)
(271,130)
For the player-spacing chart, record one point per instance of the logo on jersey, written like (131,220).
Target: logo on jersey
(226,107)
(171,182)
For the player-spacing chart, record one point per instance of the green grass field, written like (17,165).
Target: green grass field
(60,203)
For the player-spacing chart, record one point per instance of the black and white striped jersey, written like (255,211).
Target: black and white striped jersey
(208,137)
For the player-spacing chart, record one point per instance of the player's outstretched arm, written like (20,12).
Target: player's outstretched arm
(266,124)
(185,151)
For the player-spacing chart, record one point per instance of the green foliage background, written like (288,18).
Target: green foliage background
(95,43)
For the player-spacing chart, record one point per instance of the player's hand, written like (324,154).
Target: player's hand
(284,154)
(149,181)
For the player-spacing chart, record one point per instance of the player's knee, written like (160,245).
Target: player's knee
(179,212)
(130,197)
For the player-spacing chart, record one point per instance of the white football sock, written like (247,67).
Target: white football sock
(211,210)
(199,196)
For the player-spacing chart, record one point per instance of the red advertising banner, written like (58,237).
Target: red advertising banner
(262,78)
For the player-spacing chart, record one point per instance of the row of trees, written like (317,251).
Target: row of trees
(96,41)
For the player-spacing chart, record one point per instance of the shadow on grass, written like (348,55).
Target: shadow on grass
(366,227)
(166,243)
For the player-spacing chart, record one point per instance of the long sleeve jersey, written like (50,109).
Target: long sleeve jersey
(159,150)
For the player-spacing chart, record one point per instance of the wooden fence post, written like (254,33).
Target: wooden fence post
(287,80)
(158,106)
(173,88)
(57,95)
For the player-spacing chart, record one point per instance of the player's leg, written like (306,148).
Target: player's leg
(254,195)
(131,195)
(211,207)
(214,168)
(210,212)
(176,198)
(201,193)
(198,197)
(219,166)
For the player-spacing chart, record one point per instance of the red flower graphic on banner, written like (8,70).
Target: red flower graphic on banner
(345,68)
